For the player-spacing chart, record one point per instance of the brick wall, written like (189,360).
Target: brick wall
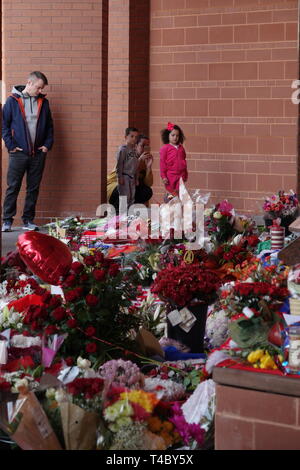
(63,40)
(128,70)
(222,69)
(254,420)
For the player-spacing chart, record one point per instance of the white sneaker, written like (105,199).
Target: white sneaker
(30,226)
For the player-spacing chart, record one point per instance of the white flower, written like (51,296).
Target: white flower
(50,393)
(20,383)
(208,212)
(217,215)
(83,363)
(237,239)
(60,395)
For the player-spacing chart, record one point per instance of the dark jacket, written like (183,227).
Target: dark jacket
(15,131)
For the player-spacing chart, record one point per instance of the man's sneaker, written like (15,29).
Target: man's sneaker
(30,226)
(6,227)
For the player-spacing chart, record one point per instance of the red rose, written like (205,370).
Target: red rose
(99,274)
(59,313)
(77,267)
(90,260)
(99,257)
(92,300)
(72,323)
(113,269)
(70,281)
(69,361)
(4,386)
(55,301)
(46,297)
(90,331)
(51,330)
(83,278)
(91,348)
(73,294)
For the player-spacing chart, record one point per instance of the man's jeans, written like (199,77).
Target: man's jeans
(19,164)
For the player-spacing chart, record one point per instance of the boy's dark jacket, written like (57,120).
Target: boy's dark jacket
(15,132)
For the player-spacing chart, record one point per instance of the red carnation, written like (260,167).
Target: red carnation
(92,300)
(99,274)
(90,331)
(91,348)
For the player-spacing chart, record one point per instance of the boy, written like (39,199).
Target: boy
(127,165)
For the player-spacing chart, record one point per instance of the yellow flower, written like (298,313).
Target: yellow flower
(144,399)
(266,362)
(254,356)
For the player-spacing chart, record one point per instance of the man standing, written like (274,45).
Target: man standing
(27,130)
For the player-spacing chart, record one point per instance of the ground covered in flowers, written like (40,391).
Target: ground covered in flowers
(95,340)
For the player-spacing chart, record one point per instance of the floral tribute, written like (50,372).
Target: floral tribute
(97,297)
(281,204)
(219,221)
(180,285)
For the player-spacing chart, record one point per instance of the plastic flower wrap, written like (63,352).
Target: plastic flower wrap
(165,389)
(253,309)
(78,410)
(217,327)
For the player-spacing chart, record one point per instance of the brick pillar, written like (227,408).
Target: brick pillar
(128,70)
(68,42)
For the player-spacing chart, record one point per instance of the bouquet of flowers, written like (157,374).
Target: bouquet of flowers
(182,284)
(126,413)
(281,204)
(253,308)
(219,222)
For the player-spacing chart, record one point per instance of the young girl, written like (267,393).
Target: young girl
(172,159)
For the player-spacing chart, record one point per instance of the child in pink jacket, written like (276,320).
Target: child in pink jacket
(172,159)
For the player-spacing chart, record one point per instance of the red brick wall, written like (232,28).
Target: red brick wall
(253,420)
(128,70)
(222,69)
(63,40)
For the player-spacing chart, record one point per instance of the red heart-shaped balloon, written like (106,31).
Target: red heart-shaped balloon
(274,335)
(47,257)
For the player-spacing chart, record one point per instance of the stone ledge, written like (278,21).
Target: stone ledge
(257,381)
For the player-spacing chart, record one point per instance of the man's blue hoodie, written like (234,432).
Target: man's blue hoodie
(15,130)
